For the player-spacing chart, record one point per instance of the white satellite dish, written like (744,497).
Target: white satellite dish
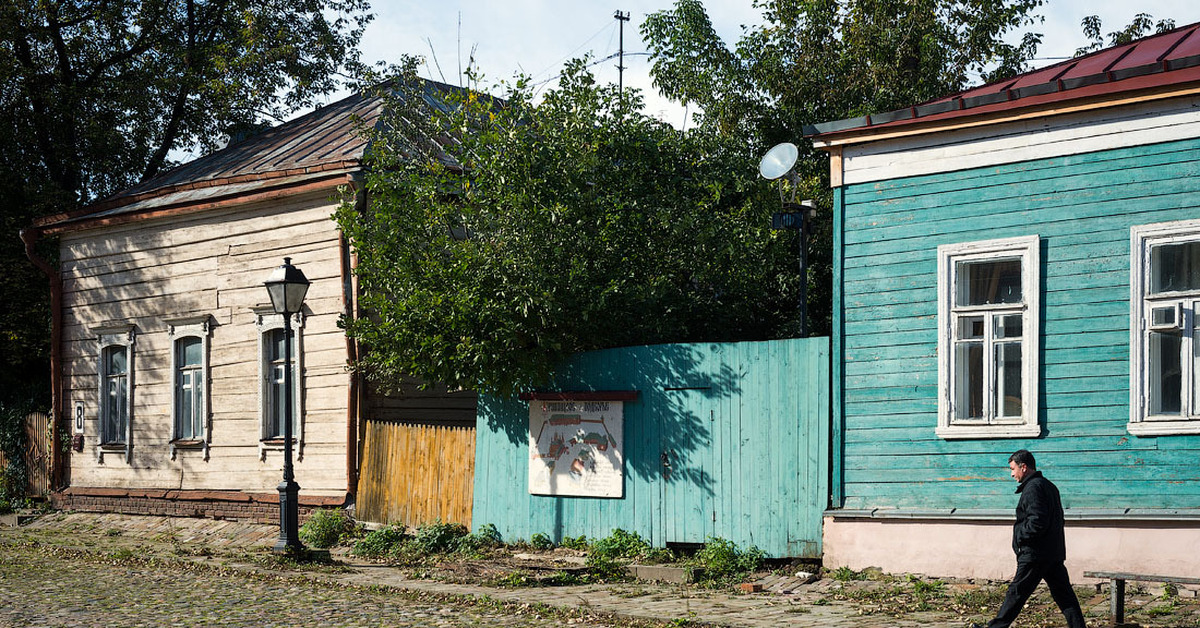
(778,161)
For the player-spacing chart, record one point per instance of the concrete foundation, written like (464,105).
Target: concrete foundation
(983,549)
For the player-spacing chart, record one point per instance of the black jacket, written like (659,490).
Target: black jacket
(1038,532)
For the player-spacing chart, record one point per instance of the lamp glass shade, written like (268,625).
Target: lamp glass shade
(287,286)
(778,161)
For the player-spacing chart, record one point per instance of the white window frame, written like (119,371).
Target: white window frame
(1141,423)
(268,321)
(1028,250)
(114,336)
(179,329)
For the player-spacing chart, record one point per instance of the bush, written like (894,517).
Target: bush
(380,543)
(722,562)
(575,542)
(540,541)
(473,544)
(620,544)
(326,528)
(439,538)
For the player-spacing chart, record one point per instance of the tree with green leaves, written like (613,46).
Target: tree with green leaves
(1141,25)
(96,96)
(527,232)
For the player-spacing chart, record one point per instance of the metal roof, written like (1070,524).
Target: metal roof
(320,145)
(1163,60)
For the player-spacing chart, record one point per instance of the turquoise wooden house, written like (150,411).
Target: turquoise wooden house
(1018,267)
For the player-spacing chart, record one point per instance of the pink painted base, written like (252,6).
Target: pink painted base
(981,549)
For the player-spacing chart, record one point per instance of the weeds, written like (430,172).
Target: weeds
(326,528)
(722,563)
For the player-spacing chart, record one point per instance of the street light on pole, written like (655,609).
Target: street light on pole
(287,287)
(779,164)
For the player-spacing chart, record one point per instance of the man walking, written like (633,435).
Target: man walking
(1039,544)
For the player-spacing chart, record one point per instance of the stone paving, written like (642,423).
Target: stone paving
(43,584)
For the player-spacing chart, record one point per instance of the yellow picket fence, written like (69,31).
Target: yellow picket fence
(414,474)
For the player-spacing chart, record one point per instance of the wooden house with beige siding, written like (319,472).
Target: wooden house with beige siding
(167,355)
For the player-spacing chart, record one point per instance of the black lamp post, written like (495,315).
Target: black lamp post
(779,163)
(287,287)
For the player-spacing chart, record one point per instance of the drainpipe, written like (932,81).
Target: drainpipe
(350,310)
(29,237)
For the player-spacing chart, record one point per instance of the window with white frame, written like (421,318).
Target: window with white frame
(1164,353)
(189,370)
(988,295)
(115,388)
(272,359)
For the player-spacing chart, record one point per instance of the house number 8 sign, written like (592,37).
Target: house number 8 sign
(77,419)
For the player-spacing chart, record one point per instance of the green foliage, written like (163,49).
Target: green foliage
(432,539)
(812,62)
(721,562)
(97,95)
(1140,26)
(380,543)
(846,574)
(608,556)
(439,537)
(619,544)
(14,477)
(540,541)
(575,542)
(326,528)
(543,230)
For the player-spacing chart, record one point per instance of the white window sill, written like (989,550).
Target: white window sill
(1164,428)
(955,432)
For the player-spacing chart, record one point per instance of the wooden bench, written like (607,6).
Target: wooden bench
(1117,587)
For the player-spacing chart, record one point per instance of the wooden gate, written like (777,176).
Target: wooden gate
(414,473)
(36,454)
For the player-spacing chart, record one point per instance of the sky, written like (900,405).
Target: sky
(535,37)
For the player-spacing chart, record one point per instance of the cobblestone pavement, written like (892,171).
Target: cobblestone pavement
(88,570)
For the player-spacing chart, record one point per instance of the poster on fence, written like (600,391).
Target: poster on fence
(576,448)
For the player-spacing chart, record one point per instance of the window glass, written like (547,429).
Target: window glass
(1165,373)
(275,394)
(1175,267)
(190,389)
(116,389)
(190,351)
(1008,379)
(968,403)
(989,282)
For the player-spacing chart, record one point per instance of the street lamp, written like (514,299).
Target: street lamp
(779,164)
(287,287)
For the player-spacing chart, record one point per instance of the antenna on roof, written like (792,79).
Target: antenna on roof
(460,49)
(436,64)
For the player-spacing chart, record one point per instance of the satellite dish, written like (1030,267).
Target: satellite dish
(778,161)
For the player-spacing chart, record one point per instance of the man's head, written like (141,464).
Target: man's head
(1021,464)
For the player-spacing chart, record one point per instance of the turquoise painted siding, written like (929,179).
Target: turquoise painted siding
(745,427)
(1082,207)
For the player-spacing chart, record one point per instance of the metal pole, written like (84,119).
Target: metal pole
(622,18)
(289,511)
(804,273)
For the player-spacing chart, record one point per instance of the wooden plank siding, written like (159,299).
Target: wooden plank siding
(414,474)
(745,427)
(1082,207)
(213,264)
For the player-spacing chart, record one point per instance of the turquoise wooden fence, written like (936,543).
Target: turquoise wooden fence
(744,428)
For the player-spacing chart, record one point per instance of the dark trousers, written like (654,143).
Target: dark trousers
(1029,574)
